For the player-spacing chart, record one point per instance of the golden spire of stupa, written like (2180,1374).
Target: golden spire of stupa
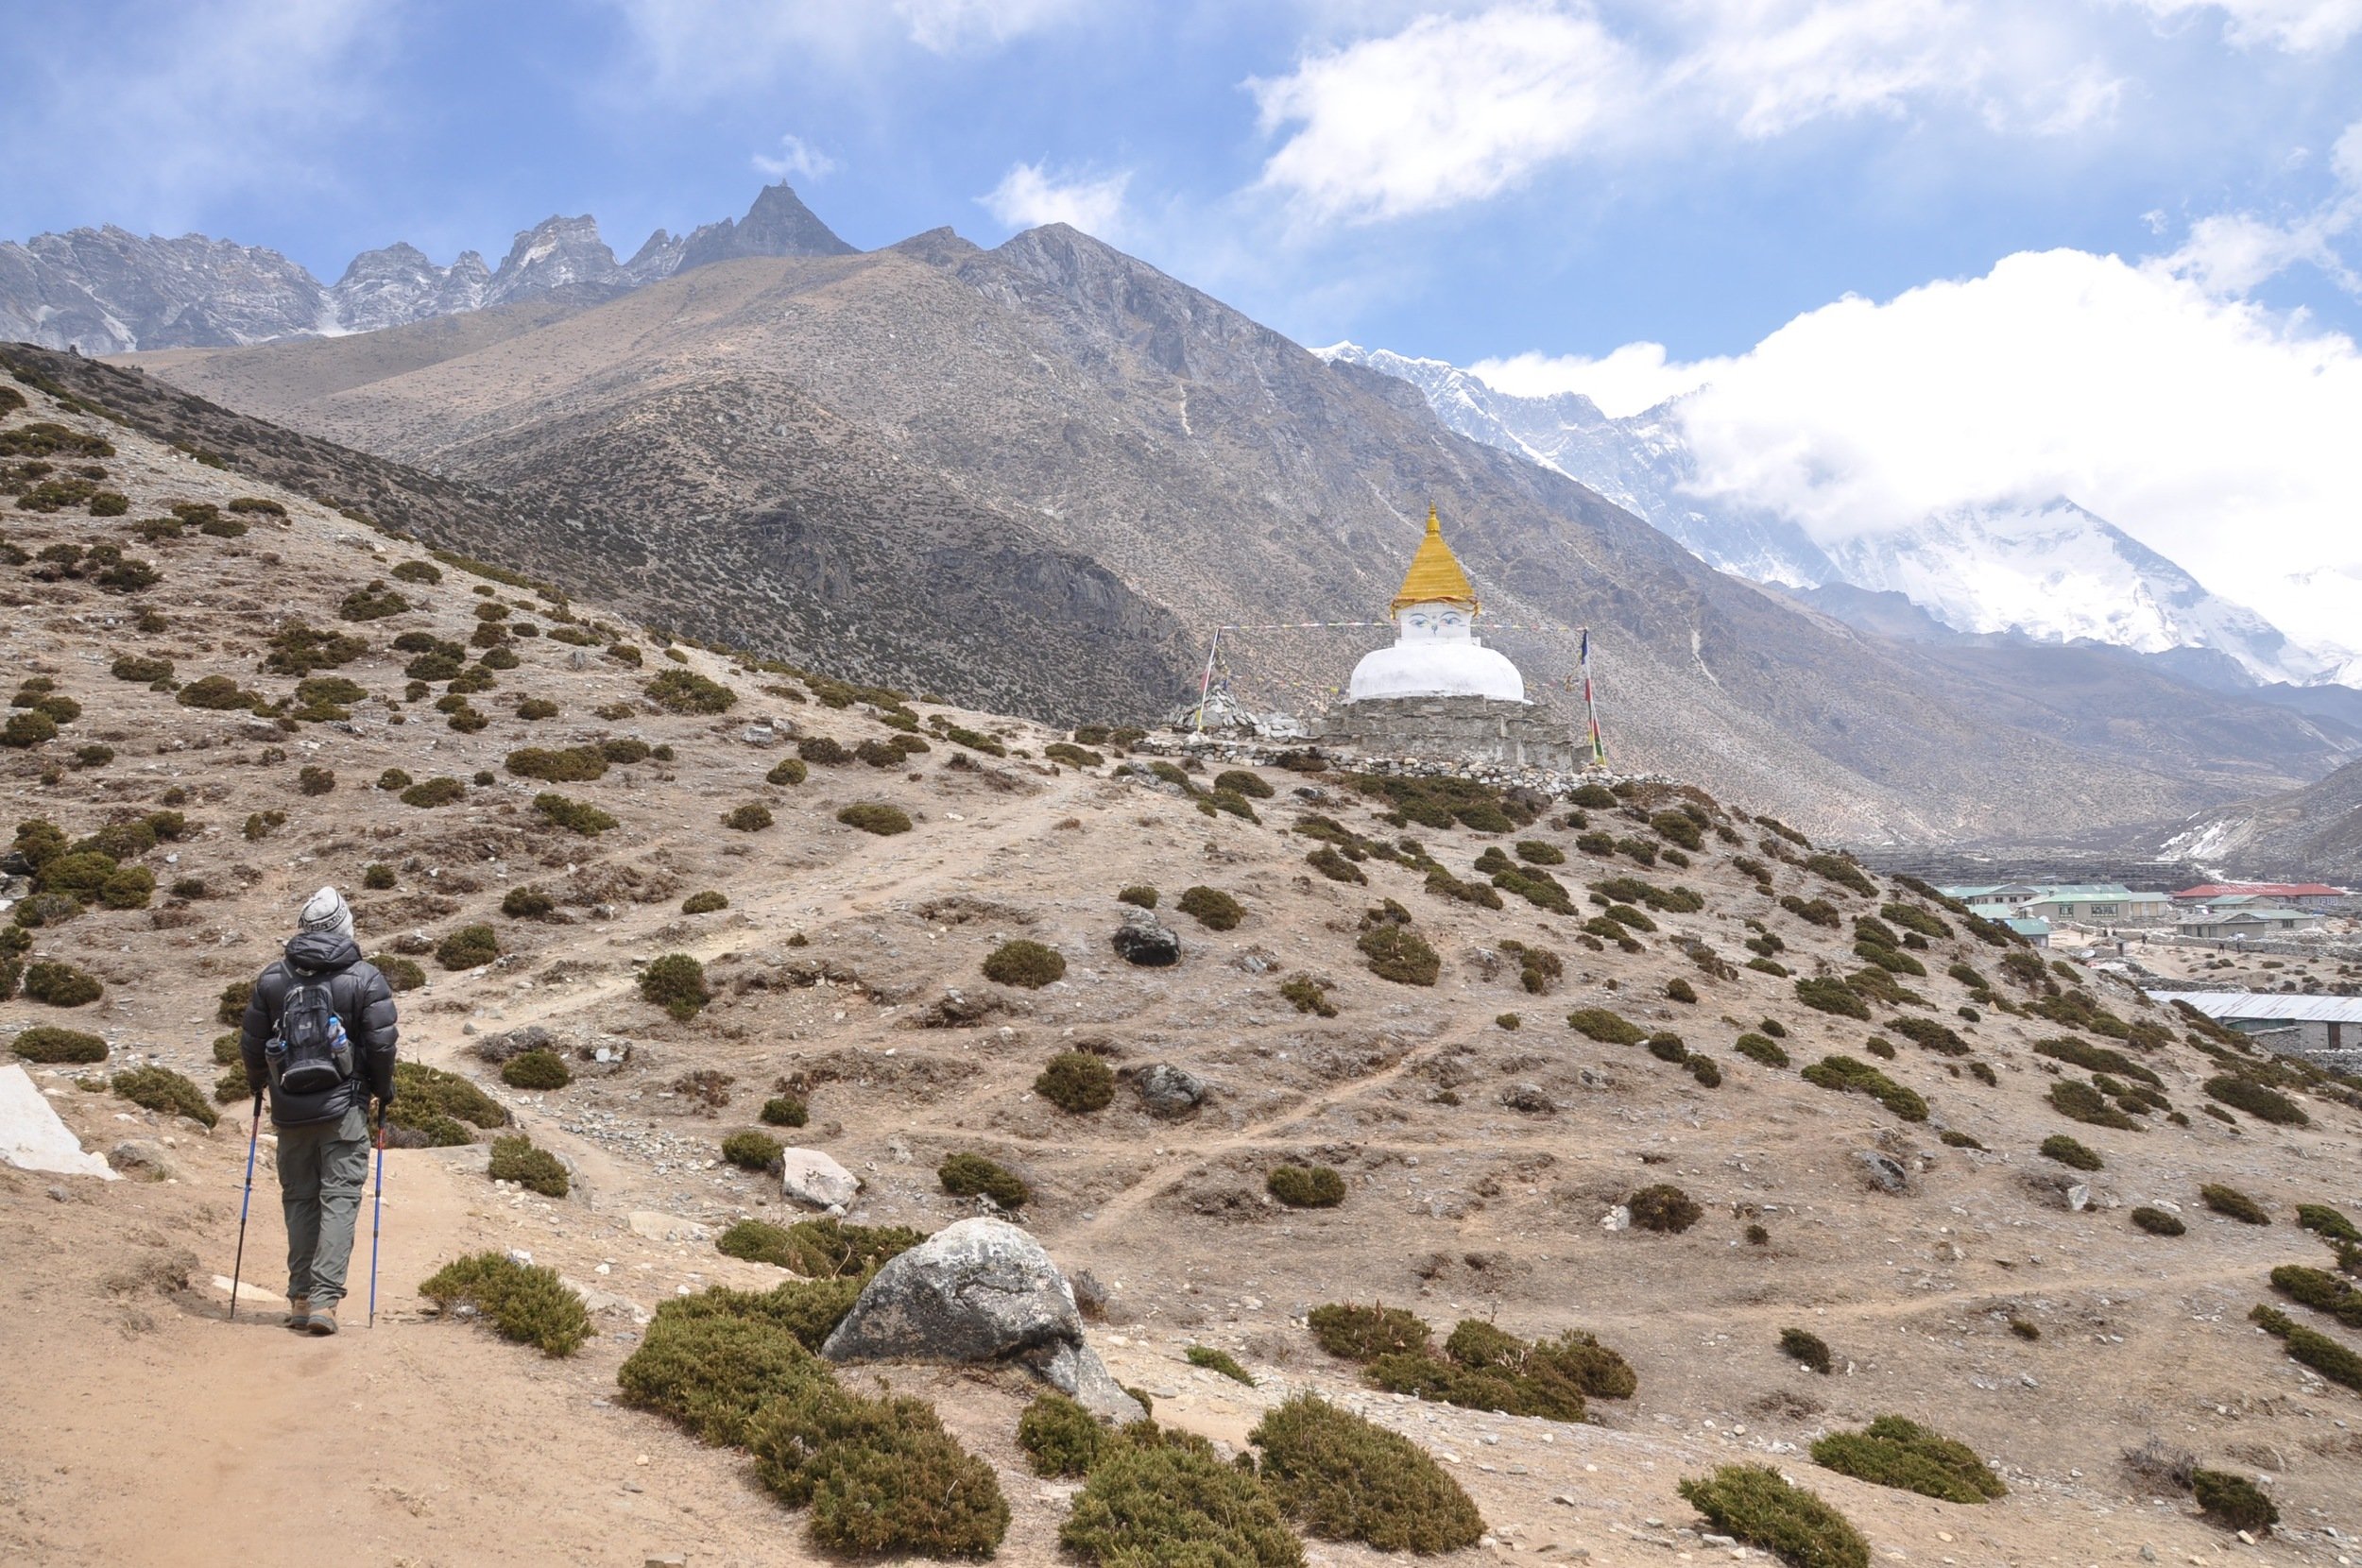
(1434,573)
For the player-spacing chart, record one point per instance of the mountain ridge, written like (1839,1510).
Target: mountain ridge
(107,291)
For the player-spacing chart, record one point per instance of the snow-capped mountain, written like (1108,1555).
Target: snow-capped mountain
(106,291)
(2053,573)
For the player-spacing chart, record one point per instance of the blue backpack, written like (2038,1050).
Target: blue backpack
(308,1052)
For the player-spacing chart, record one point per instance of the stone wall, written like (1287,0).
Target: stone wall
(1473,730)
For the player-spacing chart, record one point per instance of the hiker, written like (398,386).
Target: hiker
(319,1034)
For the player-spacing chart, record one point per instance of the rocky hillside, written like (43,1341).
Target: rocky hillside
(2313,833)
(691,435)
(1715,1147)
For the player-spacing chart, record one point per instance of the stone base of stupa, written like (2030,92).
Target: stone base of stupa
(1474,730)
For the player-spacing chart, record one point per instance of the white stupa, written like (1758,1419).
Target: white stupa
(1435,653)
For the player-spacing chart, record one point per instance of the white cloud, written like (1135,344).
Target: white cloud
(695,50)
(2296,26)
(1453,109)
(2210,429)
(796,156)
(1448,110)
(203,101)
(1635,377)
(2231,253)
(1029,196)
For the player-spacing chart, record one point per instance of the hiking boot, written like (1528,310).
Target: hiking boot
(322,1319)
(298,1311)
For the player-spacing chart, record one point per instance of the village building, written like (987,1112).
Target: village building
(2251,922)
(2080,903)
(2324,1029)
(2299,896)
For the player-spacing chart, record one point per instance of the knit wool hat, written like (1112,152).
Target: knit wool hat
(326,911)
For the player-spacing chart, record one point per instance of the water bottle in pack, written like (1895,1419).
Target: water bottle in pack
(308,1052)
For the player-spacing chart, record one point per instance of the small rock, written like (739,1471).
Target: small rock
(666,1227)
(1529,1098)
(145,1159)
(1617,1218)
(809,1177)
(1882,1171)
(1141,941)
(1166,1090)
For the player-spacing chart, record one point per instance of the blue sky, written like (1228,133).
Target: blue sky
(1533,185)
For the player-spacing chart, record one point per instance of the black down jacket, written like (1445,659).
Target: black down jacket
(362,999)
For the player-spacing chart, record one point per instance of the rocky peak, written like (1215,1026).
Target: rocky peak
(107,290)
(658,257)
(558,253)
(779,224)
(397,284)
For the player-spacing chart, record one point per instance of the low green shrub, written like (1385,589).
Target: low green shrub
(1756,1505)
(873,817)
(525,902)
(1306,1186)
(2321,1290)
(1211,907)
(2070,1152)
(1761,1048)
(2234,1502)
(1077,1082)
(60,984)
(708,902)
(879,1475)
(753,817)
(2259,1101)
(2157,1221)
(820,1249)
(1365,1333)
(573,765)
(1309,994)
(1026,964)
(469,948)
(575,816)
(1893,1452)
(710,1370)
(784,1111)
(1397,953)
(1345,1478)
(162,1089)
(1140,896)
(974,1176)
(675,982)
(49,1044)
(1848,1075)
(1059,1437)
(1240,782)
(1803,1345)
(516,1159)
(686,692)
(1612,1028)
(1680,990)
(425,1096)
(2319,1351)
(1219,1361)
(1664,1208)
(2232,1203)
(527,1303)
(2328,1224)
(1165,1501)
(752,1151)
(1827,994)
(537,1070)
(788,771)
(2079,1101)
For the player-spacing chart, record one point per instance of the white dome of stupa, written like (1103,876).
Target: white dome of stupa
(1435,651)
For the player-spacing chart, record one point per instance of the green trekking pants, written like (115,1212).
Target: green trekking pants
(321,1169)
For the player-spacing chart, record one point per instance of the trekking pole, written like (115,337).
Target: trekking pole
(238,1267)
(377,1211)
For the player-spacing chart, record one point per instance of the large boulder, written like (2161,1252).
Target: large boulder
(980,1290)
(1140,940)
(1166,1090)
(32,1138)
(808,1176)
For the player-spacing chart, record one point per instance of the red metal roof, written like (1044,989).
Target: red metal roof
(2267,889)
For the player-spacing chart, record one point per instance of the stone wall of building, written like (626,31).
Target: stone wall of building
(1474,730)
